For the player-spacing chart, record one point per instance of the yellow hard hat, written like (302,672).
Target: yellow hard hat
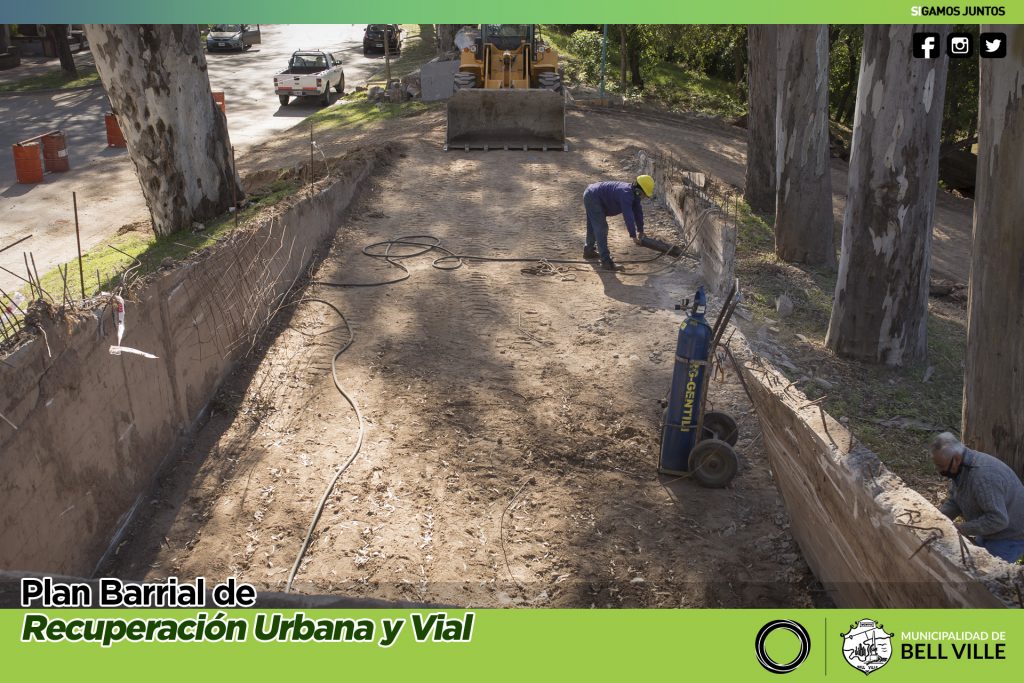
(646,184)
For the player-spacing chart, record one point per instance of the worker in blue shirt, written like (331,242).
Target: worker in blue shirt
(610,198)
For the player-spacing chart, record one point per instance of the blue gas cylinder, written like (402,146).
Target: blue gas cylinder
(679,433)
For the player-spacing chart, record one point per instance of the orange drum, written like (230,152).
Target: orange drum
(28,163)
(115,138)
(55,152)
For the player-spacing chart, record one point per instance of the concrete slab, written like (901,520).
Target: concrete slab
(436,80)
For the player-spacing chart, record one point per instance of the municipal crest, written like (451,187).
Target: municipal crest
(866,646)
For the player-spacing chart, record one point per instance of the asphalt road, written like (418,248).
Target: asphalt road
(104,179)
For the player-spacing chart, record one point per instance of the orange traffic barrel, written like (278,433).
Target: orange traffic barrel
(115,138)
(218,97)
(28,163)
(55,152)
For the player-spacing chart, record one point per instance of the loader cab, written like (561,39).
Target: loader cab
(505,36)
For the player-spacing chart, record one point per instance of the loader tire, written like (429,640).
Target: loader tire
(464,80)
(550,81)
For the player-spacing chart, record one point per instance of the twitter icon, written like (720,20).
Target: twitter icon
(993,45)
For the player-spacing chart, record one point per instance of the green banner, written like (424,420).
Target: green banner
(462,11)
(454,645)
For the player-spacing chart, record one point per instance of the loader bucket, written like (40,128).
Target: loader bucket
(506,119)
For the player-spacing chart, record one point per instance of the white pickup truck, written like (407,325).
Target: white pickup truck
(310,73)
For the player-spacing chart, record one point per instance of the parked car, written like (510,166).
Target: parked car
(310,73)
(233,37)
(373,38)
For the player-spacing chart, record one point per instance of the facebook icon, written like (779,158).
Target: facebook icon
(926,45)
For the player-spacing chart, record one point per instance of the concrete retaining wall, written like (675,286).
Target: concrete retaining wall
(712,237)
(93,428)
(853,518)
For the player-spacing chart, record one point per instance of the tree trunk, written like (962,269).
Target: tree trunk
(5,38)
(762,51)
(803,183)
(851,75)
(60,39)
(155,76)
(880,312)
(739,55)
(445,38)
(622,57)
(634,61)
(994,375)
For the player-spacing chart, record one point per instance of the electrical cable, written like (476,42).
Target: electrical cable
(441,263)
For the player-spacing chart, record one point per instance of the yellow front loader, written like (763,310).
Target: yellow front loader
(508,92)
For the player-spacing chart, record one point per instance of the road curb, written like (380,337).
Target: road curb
(49,91)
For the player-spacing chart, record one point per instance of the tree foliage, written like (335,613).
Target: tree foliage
(718,53)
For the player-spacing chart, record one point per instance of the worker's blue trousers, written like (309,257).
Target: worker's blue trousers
(1010,549)
(597,225)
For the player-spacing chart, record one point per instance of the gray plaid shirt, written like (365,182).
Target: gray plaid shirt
(989,496)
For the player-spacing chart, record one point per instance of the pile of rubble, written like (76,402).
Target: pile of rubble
(396,91)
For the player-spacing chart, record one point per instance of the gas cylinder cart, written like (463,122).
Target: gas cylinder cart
(694,442)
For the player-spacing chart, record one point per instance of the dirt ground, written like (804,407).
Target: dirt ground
(512,418)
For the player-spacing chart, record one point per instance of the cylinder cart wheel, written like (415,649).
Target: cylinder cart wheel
(713,463)
(720,426)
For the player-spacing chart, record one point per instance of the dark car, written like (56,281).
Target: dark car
(373,38)
(233,37)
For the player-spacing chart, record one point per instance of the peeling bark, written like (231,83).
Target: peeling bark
(880,311)
(994,375)
(155,76)
(762,48)
(803,182)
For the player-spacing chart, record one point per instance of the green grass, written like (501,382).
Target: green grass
(418,47)
(357,112)
(556,38)
(151,250)
(667,83)
(688,90)
(864,394)
(53,80)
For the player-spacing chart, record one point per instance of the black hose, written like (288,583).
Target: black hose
(449,260)
(441,263)
(355,451)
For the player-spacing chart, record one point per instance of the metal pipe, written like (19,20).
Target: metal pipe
(28,271)
(14,244)
(78,238)
(11,272)
(38,280)
(234,186)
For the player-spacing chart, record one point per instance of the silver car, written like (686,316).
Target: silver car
(232,37)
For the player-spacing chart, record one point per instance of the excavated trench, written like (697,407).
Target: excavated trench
(512,419)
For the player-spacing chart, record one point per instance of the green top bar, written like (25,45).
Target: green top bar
(562,11)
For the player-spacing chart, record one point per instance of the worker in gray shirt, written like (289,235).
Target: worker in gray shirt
(986,493)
